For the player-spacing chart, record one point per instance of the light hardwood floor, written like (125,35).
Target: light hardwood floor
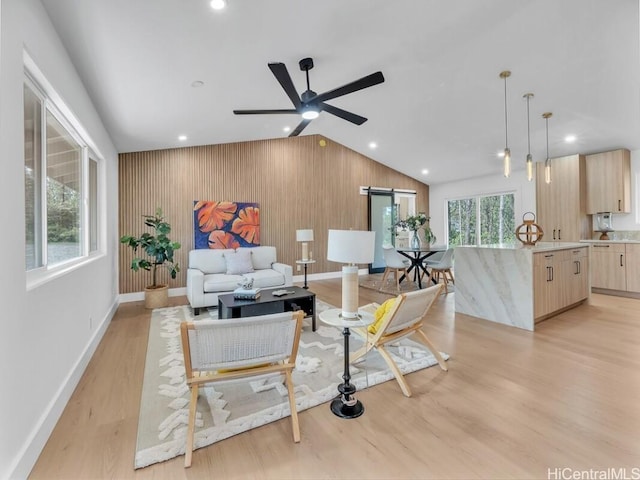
(513,404)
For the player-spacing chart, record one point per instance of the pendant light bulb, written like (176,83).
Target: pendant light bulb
(547,163)
(507,162)
(529,162)
(507,153)
(547,171)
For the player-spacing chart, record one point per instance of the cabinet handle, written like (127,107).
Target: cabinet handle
(619,205)
(554,233)
(621,260)
(549,255)
(601,246)
(549,274)
(559,237)
(577,264)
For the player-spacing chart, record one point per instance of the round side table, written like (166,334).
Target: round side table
(345,405)
(305,263)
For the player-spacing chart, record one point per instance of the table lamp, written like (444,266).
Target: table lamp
(351,247)
(304,236)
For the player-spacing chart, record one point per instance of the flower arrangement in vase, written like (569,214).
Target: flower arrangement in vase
(415,223)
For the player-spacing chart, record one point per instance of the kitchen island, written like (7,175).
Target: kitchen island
(520,285)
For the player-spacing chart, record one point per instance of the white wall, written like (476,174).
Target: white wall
(46,338)
(523,190)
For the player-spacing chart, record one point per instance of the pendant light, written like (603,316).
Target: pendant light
(528,96)
(507,153)
(547,162)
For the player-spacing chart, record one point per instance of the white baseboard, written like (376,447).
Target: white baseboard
(32,448)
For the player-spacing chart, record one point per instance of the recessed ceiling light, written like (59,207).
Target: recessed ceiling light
(373,145)
(425,171)
(218,4)
(182,138)
(286,129)
(197,83)
(570,138)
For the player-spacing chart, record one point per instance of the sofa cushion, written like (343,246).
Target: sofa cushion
(221,282)
(208,261)
(266,278)
(238,262)
(261,257)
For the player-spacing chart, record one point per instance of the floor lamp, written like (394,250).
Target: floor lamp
(350,247)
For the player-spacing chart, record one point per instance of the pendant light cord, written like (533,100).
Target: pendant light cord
(528,132)
(506,126)
(546,120)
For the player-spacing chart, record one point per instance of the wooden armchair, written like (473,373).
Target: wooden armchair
(216,350)
(405,318)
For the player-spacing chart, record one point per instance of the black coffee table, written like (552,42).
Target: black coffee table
(300,299)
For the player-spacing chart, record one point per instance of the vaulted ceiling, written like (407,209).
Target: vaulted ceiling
(441,107)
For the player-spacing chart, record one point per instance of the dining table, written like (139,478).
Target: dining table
(417,257)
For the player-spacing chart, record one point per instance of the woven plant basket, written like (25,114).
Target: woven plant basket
(156,297)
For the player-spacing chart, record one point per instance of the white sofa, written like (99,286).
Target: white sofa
(215,272)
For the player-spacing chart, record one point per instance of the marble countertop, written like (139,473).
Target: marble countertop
(538,247)
(610,241)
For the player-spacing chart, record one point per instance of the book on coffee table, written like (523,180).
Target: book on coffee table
(246,294)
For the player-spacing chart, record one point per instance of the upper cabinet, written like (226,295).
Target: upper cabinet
(561,204)
(609,182)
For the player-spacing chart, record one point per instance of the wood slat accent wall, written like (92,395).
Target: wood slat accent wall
(297,182)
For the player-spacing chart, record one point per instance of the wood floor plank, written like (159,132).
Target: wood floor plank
(512,405)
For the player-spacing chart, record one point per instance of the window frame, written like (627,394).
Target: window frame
(478,199)
(51,103)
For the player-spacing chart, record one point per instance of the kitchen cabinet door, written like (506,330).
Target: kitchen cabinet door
(547,284)
(560,205)
(609,182)
(632,252)
(608,266)
(576,272)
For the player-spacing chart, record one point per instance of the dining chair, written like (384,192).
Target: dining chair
(394,263)
(218,350)
(442,267)
(405,318)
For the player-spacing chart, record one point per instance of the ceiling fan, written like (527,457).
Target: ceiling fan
(310,104)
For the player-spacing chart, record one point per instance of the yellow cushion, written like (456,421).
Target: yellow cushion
(380,314)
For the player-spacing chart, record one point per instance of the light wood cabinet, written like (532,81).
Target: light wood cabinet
(560,279)
(608,266)
(609,182)
(632,256)
(561,204)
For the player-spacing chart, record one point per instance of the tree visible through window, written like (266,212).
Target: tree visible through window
(490,216)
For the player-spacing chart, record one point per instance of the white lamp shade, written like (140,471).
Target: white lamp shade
(304,235)
(351,246)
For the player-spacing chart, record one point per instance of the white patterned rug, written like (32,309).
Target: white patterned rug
(227,409)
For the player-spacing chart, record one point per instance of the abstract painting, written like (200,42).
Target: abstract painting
(226,224)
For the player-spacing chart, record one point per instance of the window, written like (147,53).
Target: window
(61,185)
(481,220)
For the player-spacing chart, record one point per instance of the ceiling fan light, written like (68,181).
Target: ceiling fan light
(310,113)
(218,4)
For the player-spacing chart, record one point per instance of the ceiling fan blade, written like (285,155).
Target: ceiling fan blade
(364,82)
(260,112)
(281,73)
(299,128)
(348,116)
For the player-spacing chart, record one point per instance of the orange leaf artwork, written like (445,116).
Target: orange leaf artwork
(222,239)
(213,215)
(247,225)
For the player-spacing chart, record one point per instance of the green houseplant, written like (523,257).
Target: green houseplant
(158,250)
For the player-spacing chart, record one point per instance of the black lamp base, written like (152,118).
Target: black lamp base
(341,409)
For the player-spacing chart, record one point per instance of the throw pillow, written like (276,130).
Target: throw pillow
(380,314)
(238,262)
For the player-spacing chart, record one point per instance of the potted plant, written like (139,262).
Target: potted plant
(159,254)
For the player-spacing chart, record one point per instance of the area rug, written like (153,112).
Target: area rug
(227,409)
(374,282)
